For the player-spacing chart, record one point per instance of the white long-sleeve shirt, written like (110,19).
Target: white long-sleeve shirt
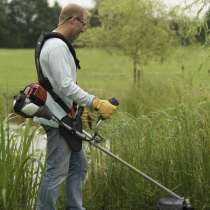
(58,66)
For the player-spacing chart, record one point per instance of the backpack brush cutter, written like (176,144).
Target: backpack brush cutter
(31,102)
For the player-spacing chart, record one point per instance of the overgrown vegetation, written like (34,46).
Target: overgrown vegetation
(162,129)
(21,166)
(167,137)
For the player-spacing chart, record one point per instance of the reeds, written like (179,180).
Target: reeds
(166,135)
(170,141)
(20,166)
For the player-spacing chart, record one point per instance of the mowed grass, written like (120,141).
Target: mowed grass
(100,71)
(106,73)
(16,69)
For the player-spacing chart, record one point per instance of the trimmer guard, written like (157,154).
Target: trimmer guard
(173,204)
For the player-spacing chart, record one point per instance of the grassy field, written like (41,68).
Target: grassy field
(103,72)
(106,74)
(162,128)
(99,70)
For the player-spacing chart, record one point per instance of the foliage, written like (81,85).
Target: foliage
(163,130)
(185,27)
(94,18)
(194,21)
(137,28)
(3,21)
(169,143)
(23,20)
(203,34)
(20,166)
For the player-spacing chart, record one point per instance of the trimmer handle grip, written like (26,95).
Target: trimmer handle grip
(114,101)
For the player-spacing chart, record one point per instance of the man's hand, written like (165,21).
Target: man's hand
(104,107)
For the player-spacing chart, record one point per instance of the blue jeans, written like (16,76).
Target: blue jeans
(62,164)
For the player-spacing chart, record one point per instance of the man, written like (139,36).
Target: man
(59,67)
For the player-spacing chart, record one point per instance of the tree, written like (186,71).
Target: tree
(46,18)
(193,20)
(3,22)
(185,28)
(138,28)
(204,28)
(94,18)
(27,19)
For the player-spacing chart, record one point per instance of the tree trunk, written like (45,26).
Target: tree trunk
(134,71)
(138,77)
(137,73)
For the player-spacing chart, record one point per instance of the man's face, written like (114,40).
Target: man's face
(79,25)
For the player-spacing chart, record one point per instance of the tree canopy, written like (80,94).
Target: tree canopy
(137,28)
(21,21)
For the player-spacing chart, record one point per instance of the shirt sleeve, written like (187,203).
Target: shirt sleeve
(61,69)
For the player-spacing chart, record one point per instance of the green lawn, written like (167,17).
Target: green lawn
(16,69)
(107,75)
(100,70)
(103,72)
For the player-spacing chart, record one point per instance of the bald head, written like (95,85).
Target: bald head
(71,10)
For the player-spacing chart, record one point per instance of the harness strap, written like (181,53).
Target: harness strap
(44,80)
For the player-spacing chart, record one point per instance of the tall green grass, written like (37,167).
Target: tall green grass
(162,128)
(20,166)
(167,136)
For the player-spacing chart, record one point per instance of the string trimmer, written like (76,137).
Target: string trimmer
(28,106)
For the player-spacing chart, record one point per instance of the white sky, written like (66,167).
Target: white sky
(169,3)
(90,3)
(86,3)
(172,3)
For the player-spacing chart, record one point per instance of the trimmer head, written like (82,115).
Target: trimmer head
(174,204)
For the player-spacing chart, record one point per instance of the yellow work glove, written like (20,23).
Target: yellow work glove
(104,107)
(86,117)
